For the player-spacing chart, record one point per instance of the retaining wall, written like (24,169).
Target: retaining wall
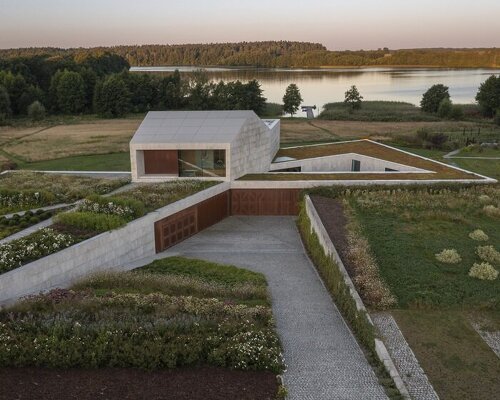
(328,247)
(108,250)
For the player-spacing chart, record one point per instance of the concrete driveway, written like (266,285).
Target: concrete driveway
(323,359)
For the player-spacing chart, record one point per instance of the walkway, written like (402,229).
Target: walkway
(323,359)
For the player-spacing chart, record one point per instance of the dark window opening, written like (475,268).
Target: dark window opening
(292,169)
(391,170)
(202,163)
(356,166)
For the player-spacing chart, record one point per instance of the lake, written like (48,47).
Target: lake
(320,86)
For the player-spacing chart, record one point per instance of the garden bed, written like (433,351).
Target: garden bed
(95,214)
(23,190)
(174,313)
(203,383)
(18,222)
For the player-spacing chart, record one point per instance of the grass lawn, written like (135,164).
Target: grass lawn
(405,231)
(457,361)
(94,162)
(477,151)
(163,316)
(436,302)
(490,168)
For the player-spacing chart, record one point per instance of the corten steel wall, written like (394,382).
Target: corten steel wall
(265,201)
(186,223)
(161,162)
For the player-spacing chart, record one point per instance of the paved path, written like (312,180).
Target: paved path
(404,359)
(46,208)
(323,359)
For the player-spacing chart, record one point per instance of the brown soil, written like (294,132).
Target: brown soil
(331,212)
(78,233)
(207,383)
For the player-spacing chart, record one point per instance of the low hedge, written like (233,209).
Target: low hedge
(91,221)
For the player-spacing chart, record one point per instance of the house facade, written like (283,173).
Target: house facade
(221,145)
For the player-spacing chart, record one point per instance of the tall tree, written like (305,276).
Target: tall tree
(353,98)
(5,109)
(70,92)
(433,97)
(488,95)
(292,99)
(112,97)
(254,100)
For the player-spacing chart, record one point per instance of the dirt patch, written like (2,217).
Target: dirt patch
(80,234)
(205,383)
(331,212)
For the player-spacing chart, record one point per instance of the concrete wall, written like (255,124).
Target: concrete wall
(108,250)
(328,247)
(343,163)
(251,150)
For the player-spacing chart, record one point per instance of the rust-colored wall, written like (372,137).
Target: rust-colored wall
(265,201)
(186,223)
(161,162)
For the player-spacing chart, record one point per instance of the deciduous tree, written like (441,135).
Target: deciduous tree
(433,97)
(292,99)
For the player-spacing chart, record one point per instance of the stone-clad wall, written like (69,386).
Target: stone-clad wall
(250,151)
(108,250)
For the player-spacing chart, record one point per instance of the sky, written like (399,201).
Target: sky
(338,24)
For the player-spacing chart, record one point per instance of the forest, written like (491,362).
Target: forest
(74,84)
(273,54)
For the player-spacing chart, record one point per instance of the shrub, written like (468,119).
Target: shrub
(484,199)
(123,207)
(456,113)
(433,97)
(497,117)
(488,254)
(445,108)
(492,211)
(19,199)
(483,271)
(36,111)
(91,221)
(479,235)
(449,256)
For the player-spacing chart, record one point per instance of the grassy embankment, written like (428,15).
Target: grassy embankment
(437,302)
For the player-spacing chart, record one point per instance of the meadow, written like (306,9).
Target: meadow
(435,298)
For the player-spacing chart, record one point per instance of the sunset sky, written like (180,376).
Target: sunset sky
(341,24)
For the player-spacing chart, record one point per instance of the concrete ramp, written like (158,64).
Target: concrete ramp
(323,359)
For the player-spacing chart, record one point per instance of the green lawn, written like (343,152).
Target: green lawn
(406,230)
(95,162)
(457,361)
(490,168)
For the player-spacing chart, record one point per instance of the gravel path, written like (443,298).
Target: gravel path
(404,359)
(323,359)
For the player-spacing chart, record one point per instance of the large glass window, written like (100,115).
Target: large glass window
(202,163)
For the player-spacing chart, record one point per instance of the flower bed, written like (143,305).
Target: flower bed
(39,244)
(144,323)
(26,190)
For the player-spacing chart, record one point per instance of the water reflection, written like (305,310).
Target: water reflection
(320,86)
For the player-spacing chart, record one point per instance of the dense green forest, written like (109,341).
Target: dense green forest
(275,54)
(74,84)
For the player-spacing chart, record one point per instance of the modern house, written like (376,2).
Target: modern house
(239,147)
(223,145)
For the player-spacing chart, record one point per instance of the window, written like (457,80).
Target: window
(356,166)
(202,163)
(391,170)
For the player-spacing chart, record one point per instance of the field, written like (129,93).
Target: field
(174,313)
(93,144)
(437,302)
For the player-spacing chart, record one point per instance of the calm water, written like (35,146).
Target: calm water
(327,85)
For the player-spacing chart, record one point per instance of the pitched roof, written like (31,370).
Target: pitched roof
(191,126)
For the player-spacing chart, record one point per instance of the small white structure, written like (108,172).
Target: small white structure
(222,145)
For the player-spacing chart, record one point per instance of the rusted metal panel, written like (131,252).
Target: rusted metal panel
(265,201)
(213,210)
(177,227)
(161,162)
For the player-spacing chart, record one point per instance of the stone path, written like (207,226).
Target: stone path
(27,231)
(324,361)
(403,357)
(492,338)
(47,208)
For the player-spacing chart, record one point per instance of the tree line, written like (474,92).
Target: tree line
(36,86)
(273,54)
